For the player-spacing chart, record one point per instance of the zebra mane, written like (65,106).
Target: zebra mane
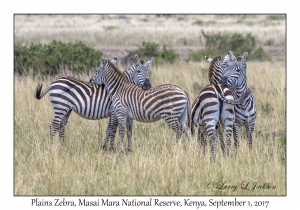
(239,58)
(117,70)
(211,67)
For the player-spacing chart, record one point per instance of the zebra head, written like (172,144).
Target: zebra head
(140,73)
(114,61)
(99,74)
(236,75)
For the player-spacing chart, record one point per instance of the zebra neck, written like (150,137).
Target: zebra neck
(113,82)
(128,74)
(238,92)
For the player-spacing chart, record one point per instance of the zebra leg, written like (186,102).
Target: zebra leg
(122,126)
(107,133)
(249,130)
(199,134)
(129,124)
(202,136)
(62,126)
(220,135)
(211,132)
(55,125)
(111,131)
(175,125)
(228,132)
(236,128)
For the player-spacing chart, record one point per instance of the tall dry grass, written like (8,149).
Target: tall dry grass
(158,166)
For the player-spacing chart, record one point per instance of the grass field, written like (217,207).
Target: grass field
(157,166)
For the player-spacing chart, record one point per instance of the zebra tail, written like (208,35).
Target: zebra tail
(38,94)
(189,113)
(234,102)
(192,129)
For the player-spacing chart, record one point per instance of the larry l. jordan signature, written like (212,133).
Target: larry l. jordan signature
(245,185)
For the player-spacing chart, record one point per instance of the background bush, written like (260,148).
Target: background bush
(53,58)
(220,43)
(152,49)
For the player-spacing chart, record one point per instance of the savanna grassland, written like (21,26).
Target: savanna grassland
(157,165)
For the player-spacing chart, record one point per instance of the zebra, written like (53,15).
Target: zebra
(88,100)
(166,101)
(215,103)
(137,74)
(215,75)
(245,112)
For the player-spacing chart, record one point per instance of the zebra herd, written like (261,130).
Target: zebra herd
(227,103)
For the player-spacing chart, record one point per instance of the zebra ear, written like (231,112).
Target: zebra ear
(148,64)
(231,56)
(114,61)
(208,59)
(136,59)
(103,62)
(245,57)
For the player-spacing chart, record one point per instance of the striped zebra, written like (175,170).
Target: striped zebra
(166,101)
(139,75)
(215,104)
(88,100)
(245,112)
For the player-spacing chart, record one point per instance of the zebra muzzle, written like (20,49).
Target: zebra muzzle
(146,85)
(223,80)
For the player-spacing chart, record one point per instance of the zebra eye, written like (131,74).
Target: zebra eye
(138,71)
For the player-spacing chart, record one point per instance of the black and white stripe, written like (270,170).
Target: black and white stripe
(139,75)
(245,112)
(168,102)
(214,104)
(88,100)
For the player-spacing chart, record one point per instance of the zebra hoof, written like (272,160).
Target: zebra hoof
(129,150)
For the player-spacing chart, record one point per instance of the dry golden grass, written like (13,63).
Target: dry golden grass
(158,166)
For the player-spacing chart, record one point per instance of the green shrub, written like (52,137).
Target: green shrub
(260,55)
(149,49)
(276,17)
(198,22)
(167,55)
(198,55)
(109,28)
(223,42)
(152,49)
(220,43)
(53,58)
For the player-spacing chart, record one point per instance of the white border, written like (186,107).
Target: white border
(8,9)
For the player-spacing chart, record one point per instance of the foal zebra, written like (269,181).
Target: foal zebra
(88,100)
(245,112)
(164,101)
